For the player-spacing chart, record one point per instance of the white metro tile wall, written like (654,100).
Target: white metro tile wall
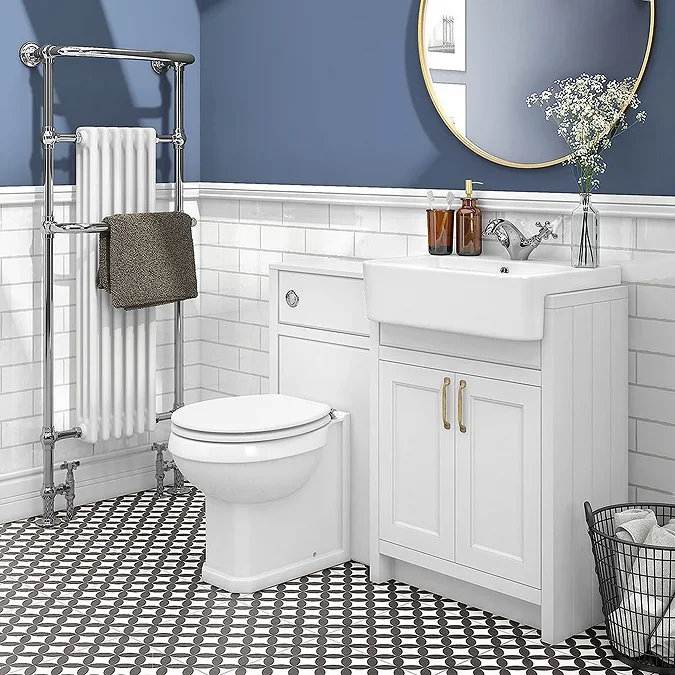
(226,329)
(276,231)
(21,330)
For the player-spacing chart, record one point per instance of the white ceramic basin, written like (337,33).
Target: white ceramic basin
(473,295)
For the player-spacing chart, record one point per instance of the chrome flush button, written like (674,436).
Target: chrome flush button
(292,298)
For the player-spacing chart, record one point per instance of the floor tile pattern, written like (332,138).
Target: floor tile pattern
(117,591)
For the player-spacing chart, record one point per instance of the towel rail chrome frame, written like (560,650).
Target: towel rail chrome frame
(31,55)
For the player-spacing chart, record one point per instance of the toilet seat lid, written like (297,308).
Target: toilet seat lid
(240,415)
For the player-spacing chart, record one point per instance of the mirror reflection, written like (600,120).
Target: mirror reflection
(481,59)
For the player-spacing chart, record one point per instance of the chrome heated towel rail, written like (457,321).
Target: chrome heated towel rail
(32,55)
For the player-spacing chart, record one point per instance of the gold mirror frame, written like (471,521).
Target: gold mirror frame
(472,146)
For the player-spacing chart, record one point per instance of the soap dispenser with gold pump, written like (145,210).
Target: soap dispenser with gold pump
(469,224)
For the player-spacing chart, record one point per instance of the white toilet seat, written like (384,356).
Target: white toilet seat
(248,428)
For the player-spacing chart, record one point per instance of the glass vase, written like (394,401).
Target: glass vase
(585,233)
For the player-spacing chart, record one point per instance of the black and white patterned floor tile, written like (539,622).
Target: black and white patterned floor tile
(117,591)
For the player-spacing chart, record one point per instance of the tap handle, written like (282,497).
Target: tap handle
(546,229)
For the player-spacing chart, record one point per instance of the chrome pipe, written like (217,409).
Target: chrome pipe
(66,138)
(75,432)
(163,416)
(53,51)
(178,146)
(48,439)
(164,138)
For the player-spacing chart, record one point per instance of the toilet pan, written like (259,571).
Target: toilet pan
(272,469)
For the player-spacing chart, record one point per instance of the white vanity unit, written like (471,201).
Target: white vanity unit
(501,396)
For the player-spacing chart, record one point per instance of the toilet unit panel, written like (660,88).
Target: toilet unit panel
(322,355)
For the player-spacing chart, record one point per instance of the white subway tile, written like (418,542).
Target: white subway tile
(64,345)
(220,307)
(239,285)
(345,217)
(219,208)
(651,335)
(656,371)
(235,383)
(16,404)
(656,234)
(239,234)
(403,220)
(220,356)
(209,377)
(239,334)
(208,281)
(254,311)
(643,495)
(18,458)
(632,367)
(370,245)
(257,262)
(616,232)
(260,212)
(20,217)
(265,339)
(254,362)
(21,324)
(208,233)
(632,434)
(208,328)
(192,353)
(652,472)
(21,270)
(656,302)
(418,246)
(264,292)
(17,350)
(16,297)
(657,405)
(16,243)
(330,242)
(632,299)
(656,439)
(282,239)
(21,430)
(21,377)
(302,214)
(219,258)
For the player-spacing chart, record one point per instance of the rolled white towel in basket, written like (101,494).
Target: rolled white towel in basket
(632,526)
(649,589)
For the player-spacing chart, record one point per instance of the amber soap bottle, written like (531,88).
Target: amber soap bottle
(469,224)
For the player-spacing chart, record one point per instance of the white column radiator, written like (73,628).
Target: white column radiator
(115,354)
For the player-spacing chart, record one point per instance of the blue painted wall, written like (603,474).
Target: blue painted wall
(330,92)
(92,92)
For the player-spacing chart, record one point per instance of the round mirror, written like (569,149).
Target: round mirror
(481,59)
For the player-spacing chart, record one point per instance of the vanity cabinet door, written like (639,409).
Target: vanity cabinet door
(498,502)
(416,458)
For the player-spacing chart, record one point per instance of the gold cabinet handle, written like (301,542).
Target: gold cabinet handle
(460,411)
(444,407)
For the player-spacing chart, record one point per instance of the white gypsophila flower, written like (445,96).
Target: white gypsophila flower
(590,111)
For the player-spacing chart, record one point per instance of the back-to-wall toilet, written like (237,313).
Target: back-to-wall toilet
(275,473)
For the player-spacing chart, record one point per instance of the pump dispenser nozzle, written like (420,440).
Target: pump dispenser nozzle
(469,187)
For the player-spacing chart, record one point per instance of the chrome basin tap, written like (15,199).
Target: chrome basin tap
(514,241)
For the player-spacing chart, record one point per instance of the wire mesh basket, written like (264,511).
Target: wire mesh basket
(637,588)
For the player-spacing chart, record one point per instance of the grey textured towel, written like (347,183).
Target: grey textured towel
(147,259)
